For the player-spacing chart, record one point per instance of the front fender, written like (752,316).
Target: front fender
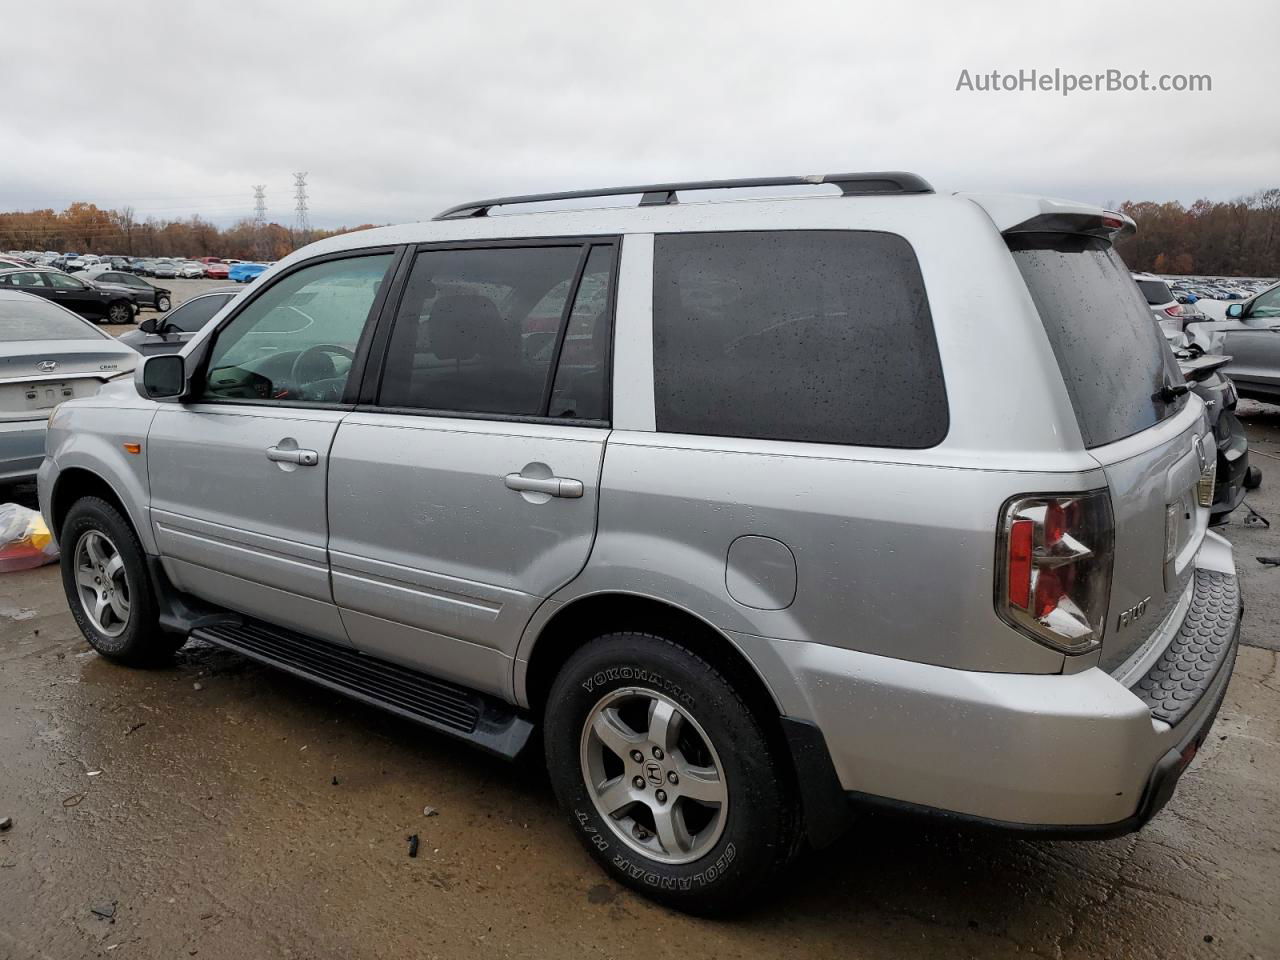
(92,437)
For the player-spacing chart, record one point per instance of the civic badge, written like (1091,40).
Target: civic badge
(47,366)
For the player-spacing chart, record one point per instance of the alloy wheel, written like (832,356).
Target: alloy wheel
(102,583)
(654,775)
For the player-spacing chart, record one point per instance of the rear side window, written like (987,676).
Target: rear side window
(820,336)
(1156,291)
(1113,357)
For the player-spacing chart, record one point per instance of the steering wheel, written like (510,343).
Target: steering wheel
(307,366)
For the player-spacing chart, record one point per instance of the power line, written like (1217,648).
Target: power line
(300,206)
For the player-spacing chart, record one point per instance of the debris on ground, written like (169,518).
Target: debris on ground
(25,540)
(335,779)
(6,823)
(430,812)
(413,845)
(197,686)
(1269,561)
(106,911)
(1254,518)
(136,726)
(72,800)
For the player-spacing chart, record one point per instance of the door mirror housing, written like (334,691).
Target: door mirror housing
(150,325)
(1235,311)
(162,377)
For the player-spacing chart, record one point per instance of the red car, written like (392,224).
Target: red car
(215,271)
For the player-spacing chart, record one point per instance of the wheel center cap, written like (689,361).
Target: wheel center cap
(653,772)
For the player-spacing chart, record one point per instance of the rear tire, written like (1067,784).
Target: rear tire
(707,814)
(120,312)
(108,587)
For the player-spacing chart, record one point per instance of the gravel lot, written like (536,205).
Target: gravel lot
(240,813)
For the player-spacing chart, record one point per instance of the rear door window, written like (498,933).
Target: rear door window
(509,330)
(820,336)
(1112,355)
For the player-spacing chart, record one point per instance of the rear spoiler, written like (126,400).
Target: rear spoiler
(1106,224)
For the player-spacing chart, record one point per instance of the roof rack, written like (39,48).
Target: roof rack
(660,194)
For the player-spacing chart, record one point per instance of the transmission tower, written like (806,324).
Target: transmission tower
(260,219)
(300,207)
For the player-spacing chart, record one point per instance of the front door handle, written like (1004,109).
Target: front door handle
(303,458)
(555,486)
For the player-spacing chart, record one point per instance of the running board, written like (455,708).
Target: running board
(447,708)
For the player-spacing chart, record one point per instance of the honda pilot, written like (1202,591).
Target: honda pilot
(756,511)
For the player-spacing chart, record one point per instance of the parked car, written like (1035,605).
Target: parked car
(10,262)
(216,270)
(1204,374)
(1164,305)
(47,355)
(163,269)
(144,293)
(245,272)
(741,541)
(1250,334)
(78,296)
(191,270)
(169,334)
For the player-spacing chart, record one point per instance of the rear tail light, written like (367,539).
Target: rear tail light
(1174,311)
(1053,563)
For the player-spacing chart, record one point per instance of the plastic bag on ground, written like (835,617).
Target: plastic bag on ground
(25,540)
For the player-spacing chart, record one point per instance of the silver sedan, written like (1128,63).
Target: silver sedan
(47,355)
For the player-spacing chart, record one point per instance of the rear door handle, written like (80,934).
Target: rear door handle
(556,486)
(303,458)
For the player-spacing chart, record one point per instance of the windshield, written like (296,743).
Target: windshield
(1113,358)
(34,319)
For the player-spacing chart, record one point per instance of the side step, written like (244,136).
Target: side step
(484,721)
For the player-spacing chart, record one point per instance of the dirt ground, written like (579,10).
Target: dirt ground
(219,809)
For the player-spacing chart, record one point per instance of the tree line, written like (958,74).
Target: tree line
(1238,237)
(86,228)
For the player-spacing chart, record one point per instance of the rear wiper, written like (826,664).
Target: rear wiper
(1170,392)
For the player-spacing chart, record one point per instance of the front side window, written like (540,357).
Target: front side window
(63,282)
(294,343)
(1267,306)
(479,331)
(822,336)
(194,314)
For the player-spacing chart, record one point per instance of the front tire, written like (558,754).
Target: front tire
(163,304)
(104,575)
(667,775)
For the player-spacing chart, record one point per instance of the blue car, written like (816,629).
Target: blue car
(245,272)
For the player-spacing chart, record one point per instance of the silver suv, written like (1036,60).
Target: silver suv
(756,510)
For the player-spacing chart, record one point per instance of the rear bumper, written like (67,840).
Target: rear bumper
(1061,755)
(21,449)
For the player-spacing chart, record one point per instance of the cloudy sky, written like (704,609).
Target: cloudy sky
(397,109)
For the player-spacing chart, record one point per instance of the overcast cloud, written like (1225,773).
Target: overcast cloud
(400,109)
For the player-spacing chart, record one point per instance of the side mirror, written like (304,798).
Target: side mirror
(1235,311)
(150,325)
(162,377)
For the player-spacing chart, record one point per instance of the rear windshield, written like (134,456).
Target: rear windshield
(1156,291)
(33,319)
(1113,357)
